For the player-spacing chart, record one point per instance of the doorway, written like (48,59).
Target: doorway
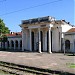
(67,45)
(41,36)
(32,38)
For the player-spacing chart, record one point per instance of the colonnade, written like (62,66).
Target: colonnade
(39,40)
(13,44)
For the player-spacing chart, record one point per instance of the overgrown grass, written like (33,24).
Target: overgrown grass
(71,65)
(5,73)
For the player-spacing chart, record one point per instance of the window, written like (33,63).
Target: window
(67,44)
(16,42)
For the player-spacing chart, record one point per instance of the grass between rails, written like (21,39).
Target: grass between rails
(71,65)
(5,73)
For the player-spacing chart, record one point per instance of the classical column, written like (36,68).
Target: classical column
(18,45)
(49,40)
(23,39)
(30,41)
(39,41)
(10,45)
(64,42)
(6,45)
(14,45)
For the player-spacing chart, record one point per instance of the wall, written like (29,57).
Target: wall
(71,38)
(56,40)
(66,27)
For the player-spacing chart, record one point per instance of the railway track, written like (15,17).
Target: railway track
(22,70)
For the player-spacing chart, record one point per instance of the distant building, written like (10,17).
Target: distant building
(70,40)
(14,41)
(44,34)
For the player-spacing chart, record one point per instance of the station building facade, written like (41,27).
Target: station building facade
(44,34)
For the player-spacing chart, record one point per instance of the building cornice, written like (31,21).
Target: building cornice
(46,19)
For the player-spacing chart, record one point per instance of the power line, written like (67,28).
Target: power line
(30,7)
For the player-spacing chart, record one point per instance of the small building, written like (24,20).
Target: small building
(70,40)
(44,34)
(14,41)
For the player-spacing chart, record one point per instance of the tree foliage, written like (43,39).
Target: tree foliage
(4,39)
(3,28)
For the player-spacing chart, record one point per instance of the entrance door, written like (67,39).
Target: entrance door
(32,36)
(41,33)
(67,45)
(51,41)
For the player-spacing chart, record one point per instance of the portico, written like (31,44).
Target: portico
(37,34)
(43,34)
(38,39)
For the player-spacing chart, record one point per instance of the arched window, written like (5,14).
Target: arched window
(12,43)
(8,44)
(20,43)
(67,44)
(16,43)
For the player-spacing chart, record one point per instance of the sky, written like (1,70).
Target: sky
(14,11)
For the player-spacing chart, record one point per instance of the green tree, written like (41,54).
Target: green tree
(3,30)
(4,39)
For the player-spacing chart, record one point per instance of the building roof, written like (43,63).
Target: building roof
(71,30)
(46,19)
(14,34)
(37,20)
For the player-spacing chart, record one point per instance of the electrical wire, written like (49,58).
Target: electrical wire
(30,7)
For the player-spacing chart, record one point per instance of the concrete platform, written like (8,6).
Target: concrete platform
(54,61)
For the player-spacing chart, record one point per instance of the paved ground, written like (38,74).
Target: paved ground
(54,61)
